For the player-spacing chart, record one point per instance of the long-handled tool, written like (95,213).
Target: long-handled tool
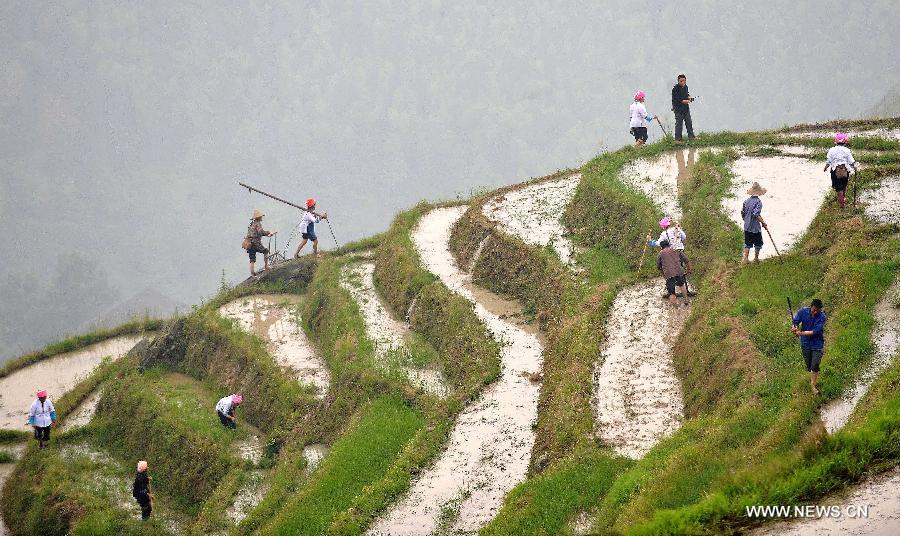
(332,233)
(773,241)
(658,122)
(644,253)
(855,180)
(791,310)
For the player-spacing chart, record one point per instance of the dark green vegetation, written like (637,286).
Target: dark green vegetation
(751,433)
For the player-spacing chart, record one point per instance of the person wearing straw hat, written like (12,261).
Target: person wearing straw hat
(639,119)
(255,232)
(839,161)
(308,224)
(140,490)
(225,410)
(41,417)
(751,212)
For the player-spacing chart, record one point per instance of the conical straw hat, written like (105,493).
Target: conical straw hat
(257,214)
(756,189)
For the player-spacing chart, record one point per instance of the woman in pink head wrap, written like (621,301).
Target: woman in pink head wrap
(839,161)
(41,417)
(225,410)
(639,118)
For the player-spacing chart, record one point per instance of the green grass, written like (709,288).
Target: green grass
(357,459)
(547,503)
(170,421)
(7,457)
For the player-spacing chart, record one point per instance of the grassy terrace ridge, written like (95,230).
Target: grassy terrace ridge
(848,124)
(77,342)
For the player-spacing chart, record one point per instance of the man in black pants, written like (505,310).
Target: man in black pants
(681,105)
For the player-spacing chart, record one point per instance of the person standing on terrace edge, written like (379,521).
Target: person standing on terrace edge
(674,266)
(751,211)
(639,118)
(41,417)
(809,325)
(308,224)
(839,161)
(681,105)
(140,490)
(253,241)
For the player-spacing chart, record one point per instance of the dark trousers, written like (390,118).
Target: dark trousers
(683,117)
(146,507)
(226,422)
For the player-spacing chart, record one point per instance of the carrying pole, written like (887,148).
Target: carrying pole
(791,310)
(252,189)
(658,122)
(644,253)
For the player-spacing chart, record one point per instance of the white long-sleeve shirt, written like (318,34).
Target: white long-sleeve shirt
(638,114)
(41,414)
(308,218)
(838,155)
(224,405)
(676,238)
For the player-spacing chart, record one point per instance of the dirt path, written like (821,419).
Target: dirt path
(886,337)
(490,445)
(796,189)
(386,332)
(659,178)
(57,374)
(271,318)
(883,203)
(637,395)
(532,213)
(881,494)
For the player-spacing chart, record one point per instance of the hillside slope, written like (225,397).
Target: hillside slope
(507,365)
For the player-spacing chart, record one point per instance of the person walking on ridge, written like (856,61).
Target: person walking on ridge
(308,223)
(41,417)
(674,266)
(751,212)
(681,105)
(809,325)
(839,161)
(253,241)
(676,237)
(140,490)
(225,410)
(639,119)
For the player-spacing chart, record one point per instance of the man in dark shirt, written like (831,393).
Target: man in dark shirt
(674,266)
(141,490)
(809,325)
(681,105)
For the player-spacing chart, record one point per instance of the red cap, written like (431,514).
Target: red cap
(310,202)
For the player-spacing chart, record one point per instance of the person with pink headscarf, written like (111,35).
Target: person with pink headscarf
(639,119)
(225,410)
(839,161)
(41,417)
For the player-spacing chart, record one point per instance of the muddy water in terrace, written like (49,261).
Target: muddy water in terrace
(57,374)
(796,189)
(532,213)
(490,446)
(881,494)
(637,394)
(387,332)
(660,178)
(883,203)
(271,317)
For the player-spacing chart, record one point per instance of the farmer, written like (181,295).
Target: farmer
(41,417)
(141,490)
(753,222)
(675,236)
(674,266)
(310,219)
(839,162)
(639,118)
(809,325)
(255,232)
(225,410)
(681,105)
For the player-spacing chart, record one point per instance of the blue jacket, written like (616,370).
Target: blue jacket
(807,322)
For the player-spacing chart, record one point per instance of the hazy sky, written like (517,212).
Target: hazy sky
(125,125)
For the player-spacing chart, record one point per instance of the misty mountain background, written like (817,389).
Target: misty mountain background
(125,127)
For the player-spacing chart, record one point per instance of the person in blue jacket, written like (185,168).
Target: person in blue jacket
(809,325)
(41,417)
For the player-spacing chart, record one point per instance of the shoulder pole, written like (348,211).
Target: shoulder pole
(252,189)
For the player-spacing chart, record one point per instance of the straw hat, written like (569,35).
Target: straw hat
(257,214)
(756,189)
